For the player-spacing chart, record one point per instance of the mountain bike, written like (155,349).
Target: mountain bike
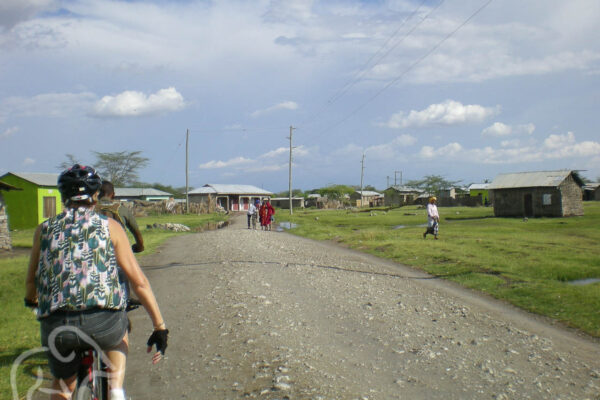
(92,375)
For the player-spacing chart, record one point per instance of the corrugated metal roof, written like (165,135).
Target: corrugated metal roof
(136,192)
(369,193)
(479,186)
(230,189)
(41,179)
(405,189)
(530,179)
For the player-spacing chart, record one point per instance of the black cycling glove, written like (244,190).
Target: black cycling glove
(159,338)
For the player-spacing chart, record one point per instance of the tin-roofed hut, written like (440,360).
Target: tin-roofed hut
(537,194)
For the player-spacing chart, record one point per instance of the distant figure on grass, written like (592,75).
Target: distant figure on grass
(252,213)
(433,218)
(267,213)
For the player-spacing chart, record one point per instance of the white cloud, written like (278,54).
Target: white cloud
(266,168)
(276,153)
(449,112)
(390,150)
(499,129)
(286,105)
(554,147)
(449,151)
(28,161)
(47,105)
(134,104)
(234,162)
(9,132)
(13,12)
(558,141)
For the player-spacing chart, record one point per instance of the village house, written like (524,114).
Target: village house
(5,241)
(228,197)
(397,195)
(591,191)
(144,194)
(480,190)
(284,202)
(367,198)
(38,200)
(537,194)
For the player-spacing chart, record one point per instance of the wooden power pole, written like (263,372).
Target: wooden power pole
(187,196)
(290,171)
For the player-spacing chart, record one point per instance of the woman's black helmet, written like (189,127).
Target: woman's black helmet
(78,183)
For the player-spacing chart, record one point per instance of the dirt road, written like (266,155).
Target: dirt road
(268,315)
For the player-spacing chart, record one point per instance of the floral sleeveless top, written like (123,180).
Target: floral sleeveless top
(77,268)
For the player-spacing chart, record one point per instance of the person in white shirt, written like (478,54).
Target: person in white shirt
(433,218)
(252,213)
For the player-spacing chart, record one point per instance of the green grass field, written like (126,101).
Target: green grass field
(19,330)
(527,263)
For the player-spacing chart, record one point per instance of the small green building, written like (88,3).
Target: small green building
(38,200)
(481,190)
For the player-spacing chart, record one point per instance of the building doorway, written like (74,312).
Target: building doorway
(528,205)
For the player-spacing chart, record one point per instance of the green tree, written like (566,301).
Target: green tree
(178,193)
(336,192)
(71,160)
(432,184)
(286,193)
(121,168)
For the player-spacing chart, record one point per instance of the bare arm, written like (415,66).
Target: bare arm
(34,259)
(135,275)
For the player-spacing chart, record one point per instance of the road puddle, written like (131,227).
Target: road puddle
(212,226)
(286,225)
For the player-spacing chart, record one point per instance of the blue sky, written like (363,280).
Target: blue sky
(463,89)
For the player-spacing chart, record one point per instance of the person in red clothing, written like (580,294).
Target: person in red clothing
(266,215)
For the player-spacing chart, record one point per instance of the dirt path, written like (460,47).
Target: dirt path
(268,315)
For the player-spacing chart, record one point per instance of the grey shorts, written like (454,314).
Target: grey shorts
(105,328)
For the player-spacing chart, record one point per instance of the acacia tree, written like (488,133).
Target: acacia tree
(433,184)
(121,167)
(71,160)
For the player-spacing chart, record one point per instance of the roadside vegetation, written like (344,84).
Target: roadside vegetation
(529,263)
(19,330)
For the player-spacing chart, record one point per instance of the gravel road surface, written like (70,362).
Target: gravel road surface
(267,315)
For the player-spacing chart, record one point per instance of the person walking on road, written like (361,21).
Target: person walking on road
(433,218)
(73,282)
(252,212)
(266,215)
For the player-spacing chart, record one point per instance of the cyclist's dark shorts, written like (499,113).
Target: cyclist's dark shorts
(105,327)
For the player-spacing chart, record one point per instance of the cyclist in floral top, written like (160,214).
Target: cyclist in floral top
(73,281)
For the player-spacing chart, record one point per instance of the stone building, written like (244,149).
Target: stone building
(537,194)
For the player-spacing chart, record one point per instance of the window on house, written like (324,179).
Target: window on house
(49,207)
(547,199)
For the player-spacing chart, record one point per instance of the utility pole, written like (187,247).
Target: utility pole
(290,177)
(362,173)
(187,196)
(388,182)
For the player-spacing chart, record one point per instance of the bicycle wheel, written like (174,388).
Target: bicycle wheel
(92,383)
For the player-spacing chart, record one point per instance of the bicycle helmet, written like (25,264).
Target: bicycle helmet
(78,183)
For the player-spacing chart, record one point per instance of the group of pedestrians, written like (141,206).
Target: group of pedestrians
(265,213)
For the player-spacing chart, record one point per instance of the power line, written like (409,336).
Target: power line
(363,69)
(408,69)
